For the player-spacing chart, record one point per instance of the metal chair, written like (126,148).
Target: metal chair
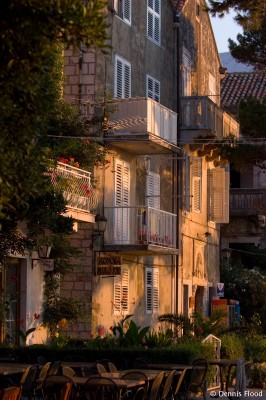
(99,388)
(40,379)
(112,367)
(11,393)
(177,391)
(196,382)
(28,380)
(54,368)
(101,369)
(68,371)
(53,386)
(66,391)
(167,387)
(137,375)
(156,387)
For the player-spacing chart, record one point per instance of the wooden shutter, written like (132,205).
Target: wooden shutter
(119,79)
(121,290)
(196,171)
(127,11)
(121,201)
(187,184)
(186,73)
(219,199)
(154,190)
(152,289)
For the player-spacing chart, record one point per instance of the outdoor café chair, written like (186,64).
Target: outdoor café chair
(28,380)
(68,371)
(99,388)
(156,387)
(196,382)
(167,387)
(40,379)
(66,391)
(53,387)
(101,369)
(112,367)
(11,393)
(137,375)
(178,392)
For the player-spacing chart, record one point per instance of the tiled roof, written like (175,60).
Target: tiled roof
(239,85)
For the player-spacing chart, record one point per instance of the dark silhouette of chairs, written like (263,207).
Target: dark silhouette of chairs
(68,371)
(101,368)
(66,391)
(137,375)
(88,371)
(11,393)
(42,360)
(167,387)
(99,388)
(28,380)
(54,368)
(196,382)
(179,389)
(43,372)
(53,386)
(112,367)
(156,387)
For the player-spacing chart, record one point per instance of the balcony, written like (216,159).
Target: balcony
(142,126)
(201,116)
(140,230)
(75,185)
(247,201)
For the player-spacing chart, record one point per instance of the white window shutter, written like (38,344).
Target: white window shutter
(121,292)
(154,20)
(196,171)
(122,85)
(127,11)
(154,190)
(219,207)
(152,289)
(121,201)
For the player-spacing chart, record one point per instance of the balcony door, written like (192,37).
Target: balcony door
(121,202)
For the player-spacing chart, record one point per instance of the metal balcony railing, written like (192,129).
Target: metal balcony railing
(247,200)
(140,225)
(201,113)
(75,184)
(144,115)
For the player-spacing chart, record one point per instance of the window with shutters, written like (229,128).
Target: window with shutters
(123,10)
(196,183)
(219,195)
(122,87)
(153,88)
(153,190)
(154,20)
(121,202)
(152,290)
(187,184)
(121,289)
(186,58)
(212,88)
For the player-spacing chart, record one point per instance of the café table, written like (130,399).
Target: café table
(168,367)
(12,368)
(121,383)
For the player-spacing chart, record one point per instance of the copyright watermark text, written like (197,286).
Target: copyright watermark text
(237,394)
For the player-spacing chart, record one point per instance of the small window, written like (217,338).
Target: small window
(122,87)
(123,10)
(153,88)
(154,20)
(186,58)
(121,289)
(152,290)
(219,195)
(196,172)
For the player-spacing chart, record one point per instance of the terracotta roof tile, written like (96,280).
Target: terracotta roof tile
(239,85)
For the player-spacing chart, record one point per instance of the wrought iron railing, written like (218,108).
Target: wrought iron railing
(201,113)
(75,184)
(140,225)
(247,200)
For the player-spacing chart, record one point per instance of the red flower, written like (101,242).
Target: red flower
(37,315)
(63,160)
(71,159)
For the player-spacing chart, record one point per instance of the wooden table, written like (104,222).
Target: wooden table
(150,373)
(78,364)
(121,383)
(12,368)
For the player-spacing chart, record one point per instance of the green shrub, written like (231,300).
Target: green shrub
(255,349)
(232,346)
(256,375)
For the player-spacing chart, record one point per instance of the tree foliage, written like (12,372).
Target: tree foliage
(251,16)
(30,32)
